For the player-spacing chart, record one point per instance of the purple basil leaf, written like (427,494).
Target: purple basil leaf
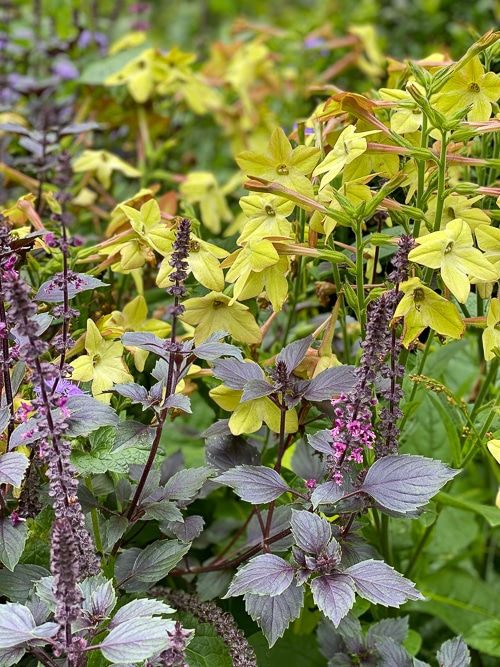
(139,609)
(392,654)
(136,640)
(43,322)
(16,625)
(395,628)
(186,483)
(256,389)
(279,523)
(224,452)
(255,484)
(404,483)
(178,402)
(454,653)
(16,585)
(236,373)
(294,353)
(12,468)
(330,641)
(355,550)
(327,494)
(135,392)
(274,614)
(321,441)
(171,465)
(266,574)
(420,663)
(132,434)
(11,656)
(311,532)
(189,529)
(334,595)
(145,341)
(156,560)
(88,414)
(213,350)
(306,464)
(14,128)
(381,584)
(78,128)
(45,293)
(161,511)
(12,541)
(220,427)
(350,627)
(99,596)
(329,383)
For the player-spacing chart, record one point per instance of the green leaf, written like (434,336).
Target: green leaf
(12,542)
(100,69)
(292,650)
(490,513)
(485,637)
(206,648)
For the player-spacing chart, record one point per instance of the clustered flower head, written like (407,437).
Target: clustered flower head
(178,262)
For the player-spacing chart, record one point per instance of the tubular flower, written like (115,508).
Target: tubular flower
(491,335)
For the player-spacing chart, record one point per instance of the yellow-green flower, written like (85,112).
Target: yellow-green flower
(488,239)
(281,163)
(202,263)
(451,251)
(247,417)
(348,147)
(422,308)
(133,317)
(267,217)
(256,267)
(103,363)
(103,163)
(213,312)
(149,226)
(469,85)
(491,335)
(201,187)
(459,206)
(408,118)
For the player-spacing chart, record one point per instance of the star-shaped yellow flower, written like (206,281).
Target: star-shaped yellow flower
(103,163)
(408,117)
(213,312)
(281,163)
(469,85)
(459,206)
(451,250)
(103,364)
(491,335)
(201,187)
(267,217)
(348,147)
(422,308)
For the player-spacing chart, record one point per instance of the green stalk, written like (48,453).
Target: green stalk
(359,277)
(95,521)
(418,371)
(420,176)
(441,182)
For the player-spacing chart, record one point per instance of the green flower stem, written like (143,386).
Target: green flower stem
(277,467)
(343,324)
(359,277)
(95,521)
(484,429)
(488,381)
(418,550)
(420,176)
(441,182)
(418,371)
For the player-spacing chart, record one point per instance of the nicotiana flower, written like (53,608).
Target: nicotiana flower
(469,85)
(267,217)
(103,163)
(491,335)
(451,250)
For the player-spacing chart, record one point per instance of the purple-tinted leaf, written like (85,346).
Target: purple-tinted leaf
(12,542)
(12,468)
(334,595)
(236,373)
(210,585)
(136,640)
(307,464)
(4,418)
(145,341)
(135,392)
(392,654)
(327,494)
(381,584)
(395,628)
(266,574)
(178,402)
(404,483)
(161,511)
(223,452)
(294,353)
(186,483)
(279,523)
(11,656)
(39,608)
(156,560)
(330,640)
(454,653)
(88,414)
(321,441)
(220,427)
(274,614)
(350,627)
(171,465)
(311,532)
(255,484)
(420,663)
(139,609)
(16,585)
(78,128)
(49,295)
(189,529)
(14,128)
(45,631)
(42,321)
(16,625)
(330,382)
(256,389)
(133,434)
(213,350)
(355,550)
